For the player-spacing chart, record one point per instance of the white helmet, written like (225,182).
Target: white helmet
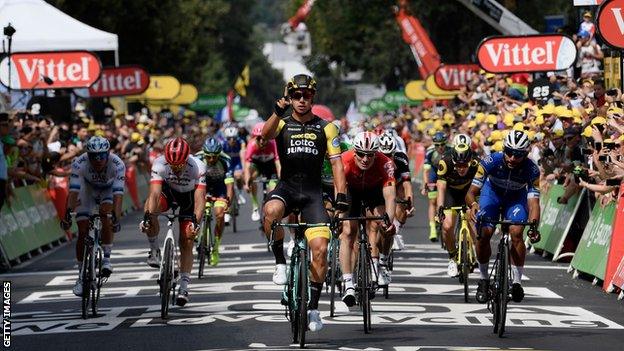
(462,139)
(97,144)
(517,140)
(387,143)
(366,142)
(230,132)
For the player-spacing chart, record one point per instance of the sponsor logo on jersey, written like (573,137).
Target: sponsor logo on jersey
(309,136)
(335,142)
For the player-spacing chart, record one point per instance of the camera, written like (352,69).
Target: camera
(603,158)
(580,173)
(614,182)
(612,92)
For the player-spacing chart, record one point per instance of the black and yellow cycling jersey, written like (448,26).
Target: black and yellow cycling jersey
(302,147)
(448,173)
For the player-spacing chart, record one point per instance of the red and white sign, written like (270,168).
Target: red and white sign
(611,23)
(531,53)
(453,77)
(66,69)
(425,53)
(119,81)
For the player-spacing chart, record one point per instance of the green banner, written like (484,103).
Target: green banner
(378,105)
(28,217)
(566,214)
(365,109)
(550,211)
(593,250)
(209,103)
(11,234)
(49,223)
(395,99)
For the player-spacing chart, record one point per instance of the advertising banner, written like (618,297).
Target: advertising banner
(160,88)
(611,23)
(529,53)
(593,249)
(209,103)
(188,95)
(453,77)
(120,81)
(424,51)
(550,212)
(434,89)
(50,70)
(415,90)
(616,250)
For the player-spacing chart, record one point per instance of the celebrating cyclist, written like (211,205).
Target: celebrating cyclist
(303,140)
(388,145)
(433,156)
(507,181)
(97,178)
(177,178)
(371,183)
(261,159)
(219,186)
(455,173)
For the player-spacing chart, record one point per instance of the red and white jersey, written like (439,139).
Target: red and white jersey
(193,176)
(256,154)
(379,175)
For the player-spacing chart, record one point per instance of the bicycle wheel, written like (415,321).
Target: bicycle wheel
(86,277)
(166,278)
(465,268)
(332,278)
(202,248)
(95,291)
(364,279)
(234,214)
(503,288)
(303,297)
(293,316)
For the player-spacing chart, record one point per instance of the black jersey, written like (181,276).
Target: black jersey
(448,173)
(402,170)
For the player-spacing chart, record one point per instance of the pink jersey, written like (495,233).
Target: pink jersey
(256,154)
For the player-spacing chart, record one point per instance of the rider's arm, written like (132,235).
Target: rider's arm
(200,191)
(229,183)
(533,194)
(76,182)
(333,154)
(158,170)
(389,194)
(118,186)
(278,165)
(340,181)
(441,183)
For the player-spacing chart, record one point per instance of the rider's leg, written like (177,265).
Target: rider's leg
(219,213)
(274,211)
(448,227)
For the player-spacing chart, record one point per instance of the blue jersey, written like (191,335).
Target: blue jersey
(233,151)
(504,181)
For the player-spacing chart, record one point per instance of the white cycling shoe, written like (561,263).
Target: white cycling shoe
(384,276)
(227,218)
(279,277)
(314,320)
(452,270)
(241,199)
(77,290)
(255,215)
(291,247)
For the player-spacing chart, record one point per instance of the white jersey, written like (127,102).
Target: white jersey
(193,176)
(400,144)
(83,175)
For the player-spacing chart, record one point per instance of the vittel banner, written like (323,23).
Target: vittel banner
(531,53)
(66,69)
(119,81)
(453,77)
(611,23)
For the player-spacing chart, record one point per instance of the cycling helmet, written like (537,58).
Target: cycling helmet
(230,132)
(97,144)
(461,153)
(366,142)
(257,129)
(212,146)
(517,140)
(301,81)
(387,143)
(177,151)
(439,138)
(461,139)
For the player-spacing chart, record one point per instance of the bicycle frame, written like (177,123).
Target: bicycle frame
(206,240)
(91,267)
(170,260)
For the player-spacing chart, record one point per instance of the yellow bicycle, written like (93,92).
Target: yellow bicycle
(466,257)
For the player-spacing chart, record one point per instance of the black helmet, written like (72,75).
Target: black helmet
(461,153)
(301,81)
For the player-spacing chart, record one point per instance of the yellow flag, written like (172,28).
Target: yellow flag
(242,82)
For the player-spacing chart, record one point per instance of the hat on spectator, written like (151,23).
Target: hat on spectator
(472,124)
(129,118)
(508,119)
(615,111)
(134,137)
(598,120)
(144,119)
(491,119)
(539,120)
(565,113)
(531,134)
(99,133)
(587,132)
(480,117)
(583,34)
(557,133)
(621,138)
(496,135)
(498,146)
(519,126)
(587,14)
(548,109)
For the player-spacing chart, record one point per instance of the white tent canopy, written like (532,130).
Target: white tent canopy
(42,27)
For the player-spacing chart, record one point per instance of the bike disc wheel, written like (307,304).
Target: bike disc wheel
(166,279)
(504,290)
(95,292)
(86,277)
(303,298)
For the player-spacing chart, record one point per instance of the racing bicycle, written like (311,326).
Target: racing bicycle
(91,271)
(466,258)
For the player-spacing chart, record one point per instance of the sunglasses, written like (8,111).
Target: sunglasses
(362,154)
(515,153)
(99,156)
(177,168)
(306,94)
(212,156)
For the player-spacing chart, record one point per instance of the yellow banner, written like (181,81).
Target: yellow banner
(415,90)
(188,95)
(432,88)
(160,88)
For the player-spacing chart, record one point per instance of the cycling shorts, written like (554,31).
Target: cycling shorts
(514,205)
(455,197)
(236,165)
(265,169)
(88,198)
(370,199)
(306,201)
(185,201)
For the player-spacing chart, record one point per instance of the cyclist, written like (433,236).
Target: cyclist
(97,178)
(261,159)
(507,181)
(455,173)
(434,154)
(177,178)
(388,146)
(371,182)
(219,185)
(303,139)
(234,146)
